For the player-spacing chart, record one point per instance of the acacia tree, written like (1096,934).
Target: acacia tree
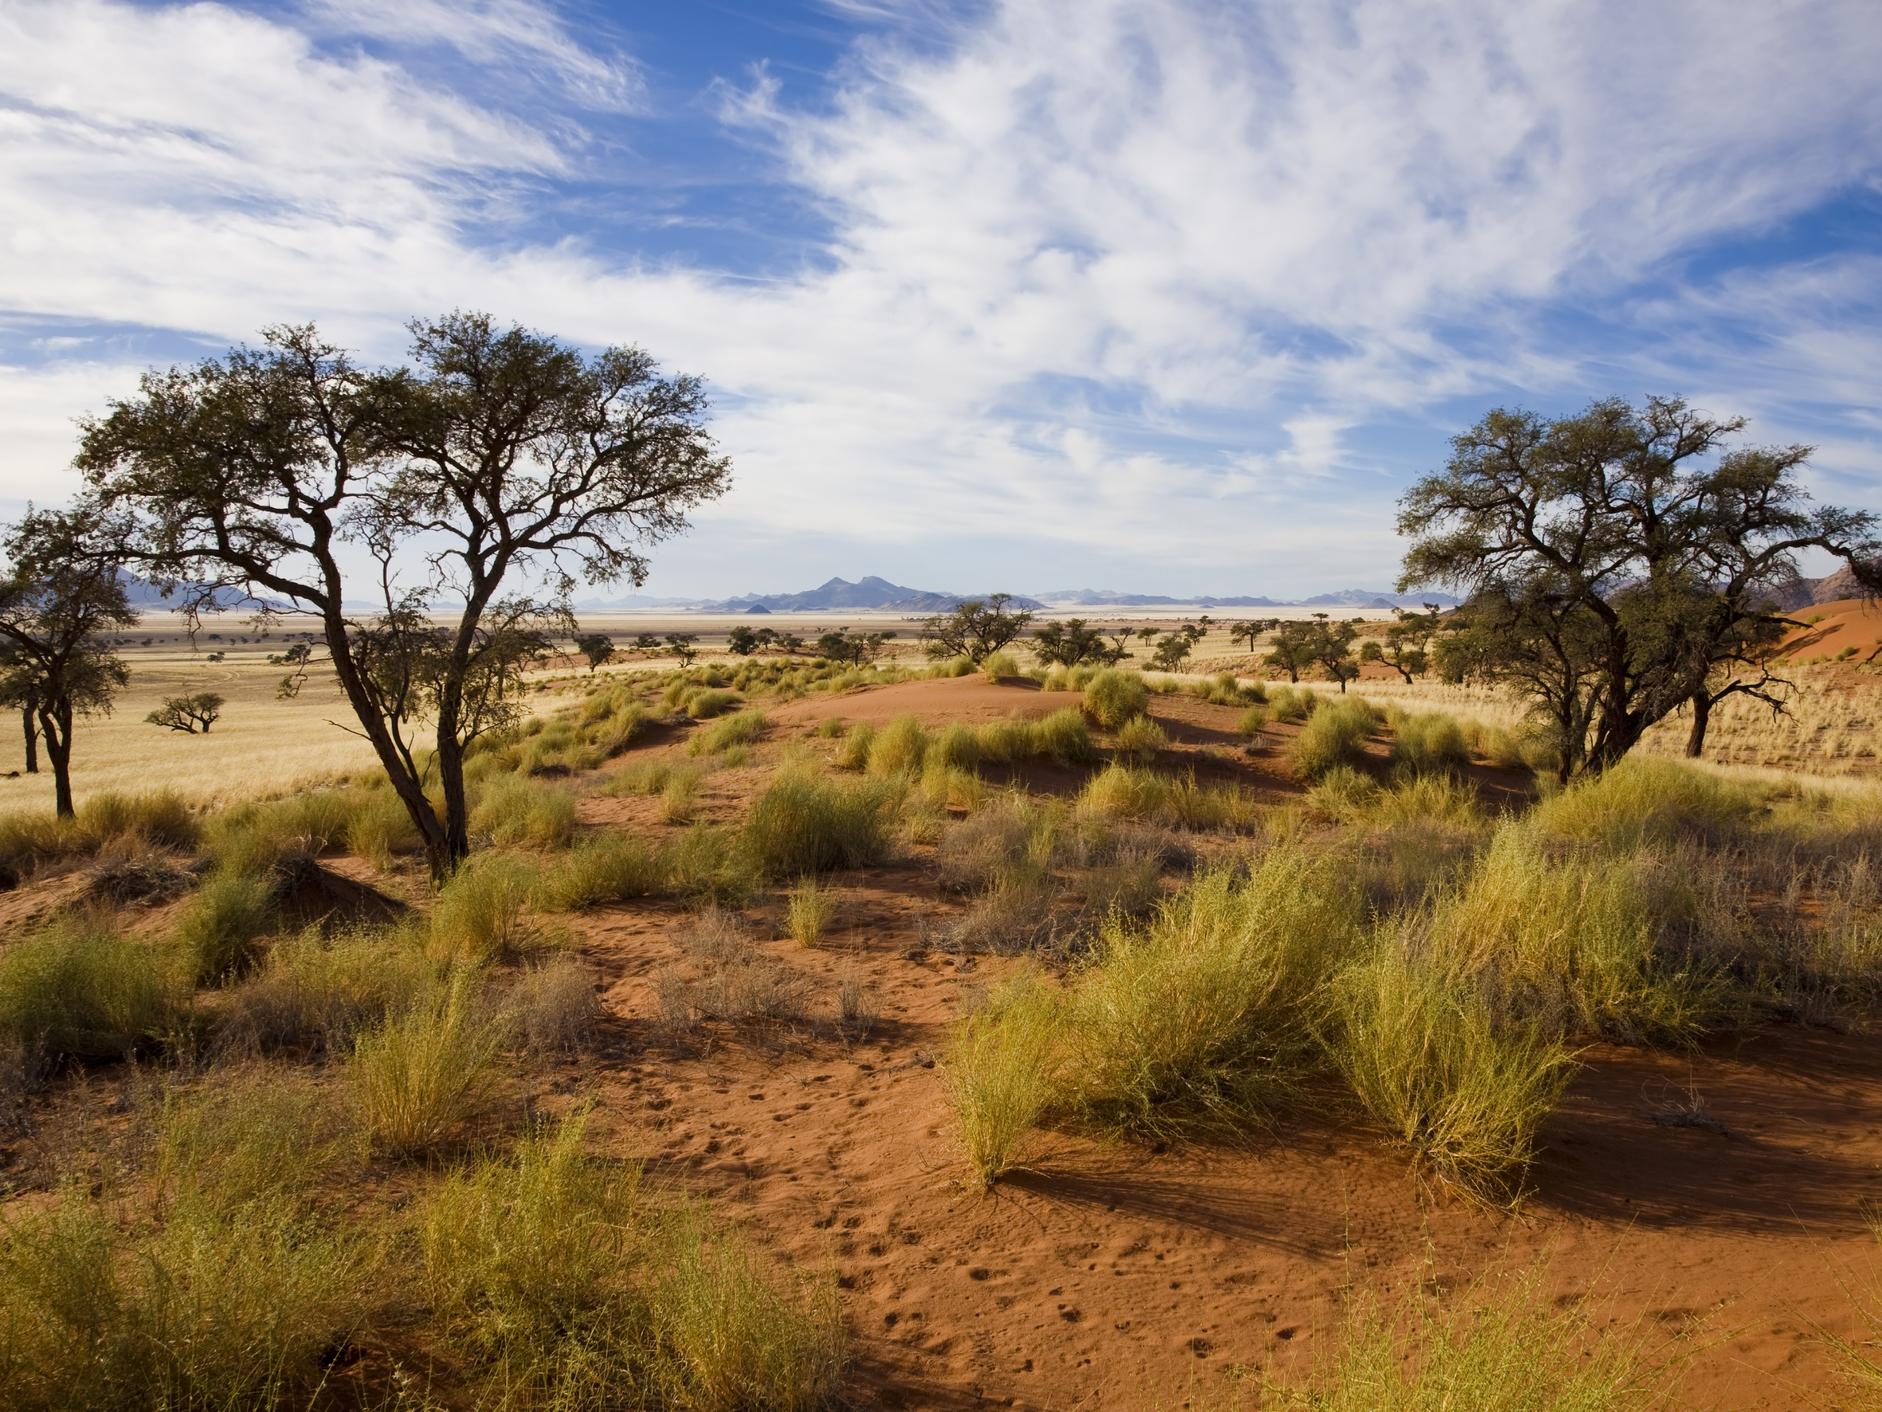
(60,597)
(1069,643)
(190,714)
(1330,647)
(1406,644)
(596,648)
(976,629)
(1658,552)
(501,468)
(19,691)
(1292,648)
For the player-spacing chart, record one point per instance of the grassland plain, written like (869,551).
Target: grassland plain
(936,1041)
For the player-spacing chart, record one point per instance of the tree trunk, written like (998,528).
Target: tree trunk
(55,724)
(30,728)
(1701,715)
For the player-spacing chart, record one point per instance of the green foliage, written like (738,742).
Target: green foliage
(76,988)
(740,729)
(1650,802)
(511,810)
(613,867)
(1334,735)
(805,824)
(484,912)
(218,931)
(1425,1053)
(417,1077)
(1126,792)
(314,993)
(1428,744)
(1113,697)
(1139,740)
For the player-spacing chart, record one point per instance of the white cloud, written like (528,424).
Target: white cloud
(1103,272)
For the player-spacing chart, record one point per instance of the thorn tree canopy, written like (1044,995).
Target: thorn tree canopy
(501,467)
(1618,561)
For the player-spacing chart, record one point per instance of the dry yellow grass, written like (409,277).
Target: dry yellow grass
(261,747)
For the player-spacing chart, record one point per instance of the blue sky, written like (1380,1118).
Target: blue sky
(1166,295)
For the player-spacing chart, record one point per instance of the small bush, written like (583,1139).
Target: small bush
(1140,740)
(1002,1074)
(742,728)
(1113,697)
(316,993)
(807,912)
(1428,744)
(1334,735)
(853,753)
(484,912)
(77,989)
(218,931)
(1425,1054)
(1502,1344)
(513,810)
(417,1077)
(613,867)
(804,824)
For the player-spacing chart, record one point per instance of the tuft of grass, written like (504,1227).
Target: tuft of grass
(512,810)
(1002,1073)
(1502,1343)
(1208,1012)
(78,989)
(553,1007)
(807,912)
(1650,801)
(1140,740)
(418,1076)
(704,703)
(1428,743)
(999,665)
(1253,721)
(805,824)
(899,748)
(218,931)
(315,993)
(1112,697)
(380,829)
(1426,1055)
(484,913)
(1292,703)
(612,867)
(1334,735)
(159,817)
(1126,792)
(741,728)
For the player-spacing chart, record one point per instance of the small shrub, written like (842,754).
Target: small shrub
(1424,1053)
(77,989)
(553,1007)
(1002,1074)
(833,728)
(742,728)
(1334,735)
(1113,697)
(613,867)
(417,1077)
(804,824)
(484,912)
(1140,740)
(513,810)
(218,930)
(808,911)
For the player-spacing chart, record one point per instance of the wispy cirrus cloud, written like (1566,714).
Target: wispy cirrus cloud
(1195,282)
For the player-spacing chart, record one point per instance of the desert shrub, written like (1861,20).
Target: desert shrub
(1499,745)
(1207,1013)
(1292,703)
(1112,697)
(157,816)
(1424,1052)
(1598,945)
(804,824)
(1501,1343)
(1650,801)
(1002,1073)
(807,912)
(705,703)
(76,988)
(380,828)
(679,796)
(1334,735)
(1000,664)
(216,1307)
(424,1071)
(1252,722)
(898,748)
(219,929)
(315,992)
(553,1007)
(1126,792)
(1428,744)
(612,730)
(512,810)
(484,912)
(612,867)
(1427,800)
(740,728)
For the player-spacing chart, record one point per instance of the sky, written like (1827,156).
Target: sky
(1162,295)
